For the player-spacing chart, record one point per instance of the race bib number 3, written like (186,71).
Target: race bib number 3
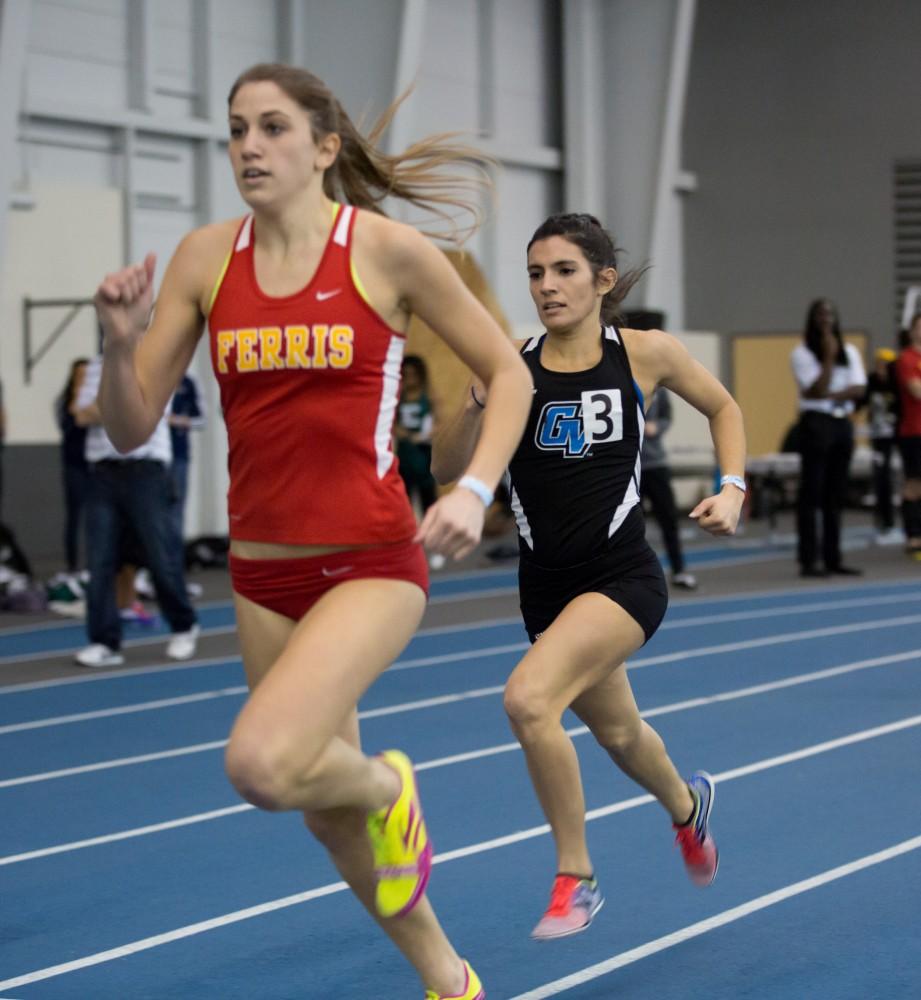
(602,416)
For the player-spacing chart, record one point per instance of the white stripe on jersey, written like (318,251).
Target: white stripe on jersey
(245,232)
(632,496)
(630,500)
(341,235)
(390,394)
(524,529)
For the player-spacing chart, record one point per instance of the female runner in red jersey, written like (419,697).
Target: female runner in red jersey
(307,302)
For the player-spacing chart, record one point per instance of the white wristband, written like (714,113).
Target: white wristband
(736,481)
(478,488)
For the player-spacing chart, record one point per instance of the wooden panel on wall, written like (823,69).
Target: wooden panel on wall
(448,375)
(763,385)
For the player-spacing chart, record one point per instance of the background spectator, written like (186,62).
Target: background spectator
(831,380)
(656,486)
(187,413)
(908,372)
(73,463)
(136,490)
(413,432)
(883,417)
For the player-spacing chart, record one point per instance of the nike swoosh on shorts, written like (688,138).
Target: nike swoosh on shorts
(336,572)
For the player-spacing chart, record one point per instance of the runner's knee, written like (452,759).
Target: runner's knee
(267,772)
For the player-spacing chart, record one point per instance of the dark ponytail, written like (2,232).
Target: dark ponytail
(587,233)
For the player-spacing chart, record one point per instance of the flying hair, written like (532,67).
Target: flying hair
(364,176)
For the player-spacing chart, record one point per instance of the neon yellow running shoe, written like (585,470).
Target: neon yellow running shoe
(473,989)
(402,849)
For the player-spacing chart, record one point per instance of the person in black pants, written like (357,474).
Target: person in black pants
(74,468)
(656,486)
(831,380)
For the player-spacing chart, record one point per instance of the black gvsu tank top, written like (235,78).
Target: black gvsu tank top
(574,479)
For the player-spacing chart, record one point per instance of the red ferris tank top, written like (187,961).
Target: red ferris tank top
(309,384)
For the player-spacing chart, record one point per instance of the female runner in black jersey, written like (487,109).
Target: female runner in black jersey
(592,590)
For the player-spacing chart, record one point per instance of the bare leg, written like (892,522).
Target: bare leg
(581,651)
(418,935)
(610,712)
(268,641)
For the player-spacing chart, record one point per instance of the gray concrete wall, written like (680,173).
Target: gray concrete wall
(796,113)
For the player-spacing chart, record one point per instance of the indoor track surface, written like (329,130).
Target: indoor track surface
(131,870)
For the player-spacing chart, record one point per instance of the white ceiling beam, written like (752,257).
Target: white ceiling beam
(15,18)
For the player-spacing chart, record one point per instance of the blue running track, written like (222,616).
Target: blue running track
(130,869)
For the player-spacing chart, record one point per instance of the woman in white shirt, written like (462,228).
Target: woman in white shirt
(831,379)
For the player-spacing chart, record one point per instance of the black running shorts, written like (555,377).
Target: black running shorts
(637,584)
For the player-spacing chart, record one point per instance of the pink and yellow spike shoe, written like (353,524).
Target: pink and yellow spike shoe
(473,988)
(402,849)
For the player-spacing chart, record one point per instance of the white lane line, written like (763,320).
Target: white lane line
(84,678)
(799,609)
(66,652)
(502,748)
(717,920)
(190,930)
(474,595)
(685,654)
(800,592)
(449,699)
(105,713)
(52,624)
(138,831)
(107,765)
(122,673)
(427,661)
(188,699)
(372,713)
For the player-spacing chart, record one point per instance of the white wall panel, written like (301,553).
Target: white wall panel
(174,46)
(224,194)
(58,249)
(447,82)
(74,154)
(165,168)
(159,230)
(178,176)
(526,103)
(352,46)
(77,53)
(525,198)
(244,34)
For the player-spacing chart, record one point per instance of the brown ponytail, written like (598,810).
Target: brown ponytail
(364,176)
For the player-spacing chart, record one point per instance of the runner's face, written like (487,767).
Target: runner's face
(562,284)
(272,148)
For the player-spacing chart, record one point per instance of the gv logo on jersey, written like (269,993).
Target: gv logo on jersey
(573,426)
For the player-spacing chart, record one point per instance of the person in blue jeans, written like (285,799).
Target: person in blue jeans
(134,489)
